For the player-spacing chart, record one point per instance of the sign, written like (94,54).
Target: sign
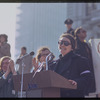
(95,47)
(98,47)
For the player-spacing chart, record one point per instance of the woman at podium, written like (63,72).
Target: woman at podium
(6,71)
(73,67)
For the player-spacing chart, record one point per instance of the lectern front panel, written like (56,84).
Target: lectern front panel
(43,93)
(37,93)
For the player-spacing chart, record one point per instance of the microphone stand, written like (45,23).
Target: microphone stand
(23,65)
(47,61)
(39,69)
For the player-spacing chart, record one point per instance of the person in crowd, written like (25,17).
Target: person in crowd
(7,70)
(27,61)
(84,50)
(23,51)
(4,46)
(73,67)
(68,23)
(40,59)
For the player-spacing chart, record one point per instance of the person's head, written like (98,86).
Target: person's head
(42,53)
(3,38)
(68,23)
(80,33)
(23,50)
(4,62)
(66,44)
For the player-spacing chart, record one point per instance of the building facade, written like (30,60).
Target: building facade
(86,15)
(40,24)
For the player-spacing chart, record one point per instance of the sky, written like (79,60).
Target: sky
(8,13)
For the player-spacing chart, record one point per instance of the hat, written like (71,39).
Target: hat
(68,21)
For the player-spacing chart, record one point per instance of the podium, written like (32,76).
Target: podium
(43,84)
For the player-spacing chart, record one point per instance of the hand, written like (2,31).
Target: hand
(73,82)
(11,65)
(35,63)
(7,72)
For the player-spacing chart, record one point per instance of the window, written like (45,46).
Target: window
(90,7)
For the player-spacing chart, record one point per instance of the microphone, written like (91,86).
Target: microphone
(30,54)
(51,57)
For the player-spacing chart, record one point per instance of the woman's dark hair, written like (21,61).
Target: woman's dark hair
(71,38)
(5,36)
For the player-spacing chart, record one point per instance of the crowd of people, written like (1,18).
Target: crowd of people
(74,63)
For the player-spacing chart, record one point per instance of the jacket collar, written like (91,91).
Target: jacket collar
(67,56)
(69,29)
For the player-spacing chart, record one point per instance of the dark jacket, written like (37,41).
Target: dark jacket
(28,64)
(5,50)
(6,86)
(74,67)
(70,31)
(84,50)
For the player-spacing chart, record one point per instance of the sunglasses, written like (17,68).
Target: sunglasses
(66,43)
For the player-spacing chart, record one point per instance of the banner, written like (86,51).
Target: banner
(95,47)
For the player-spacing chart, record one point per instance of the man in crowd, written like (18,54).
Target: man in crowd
(84,50)
(27,61)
